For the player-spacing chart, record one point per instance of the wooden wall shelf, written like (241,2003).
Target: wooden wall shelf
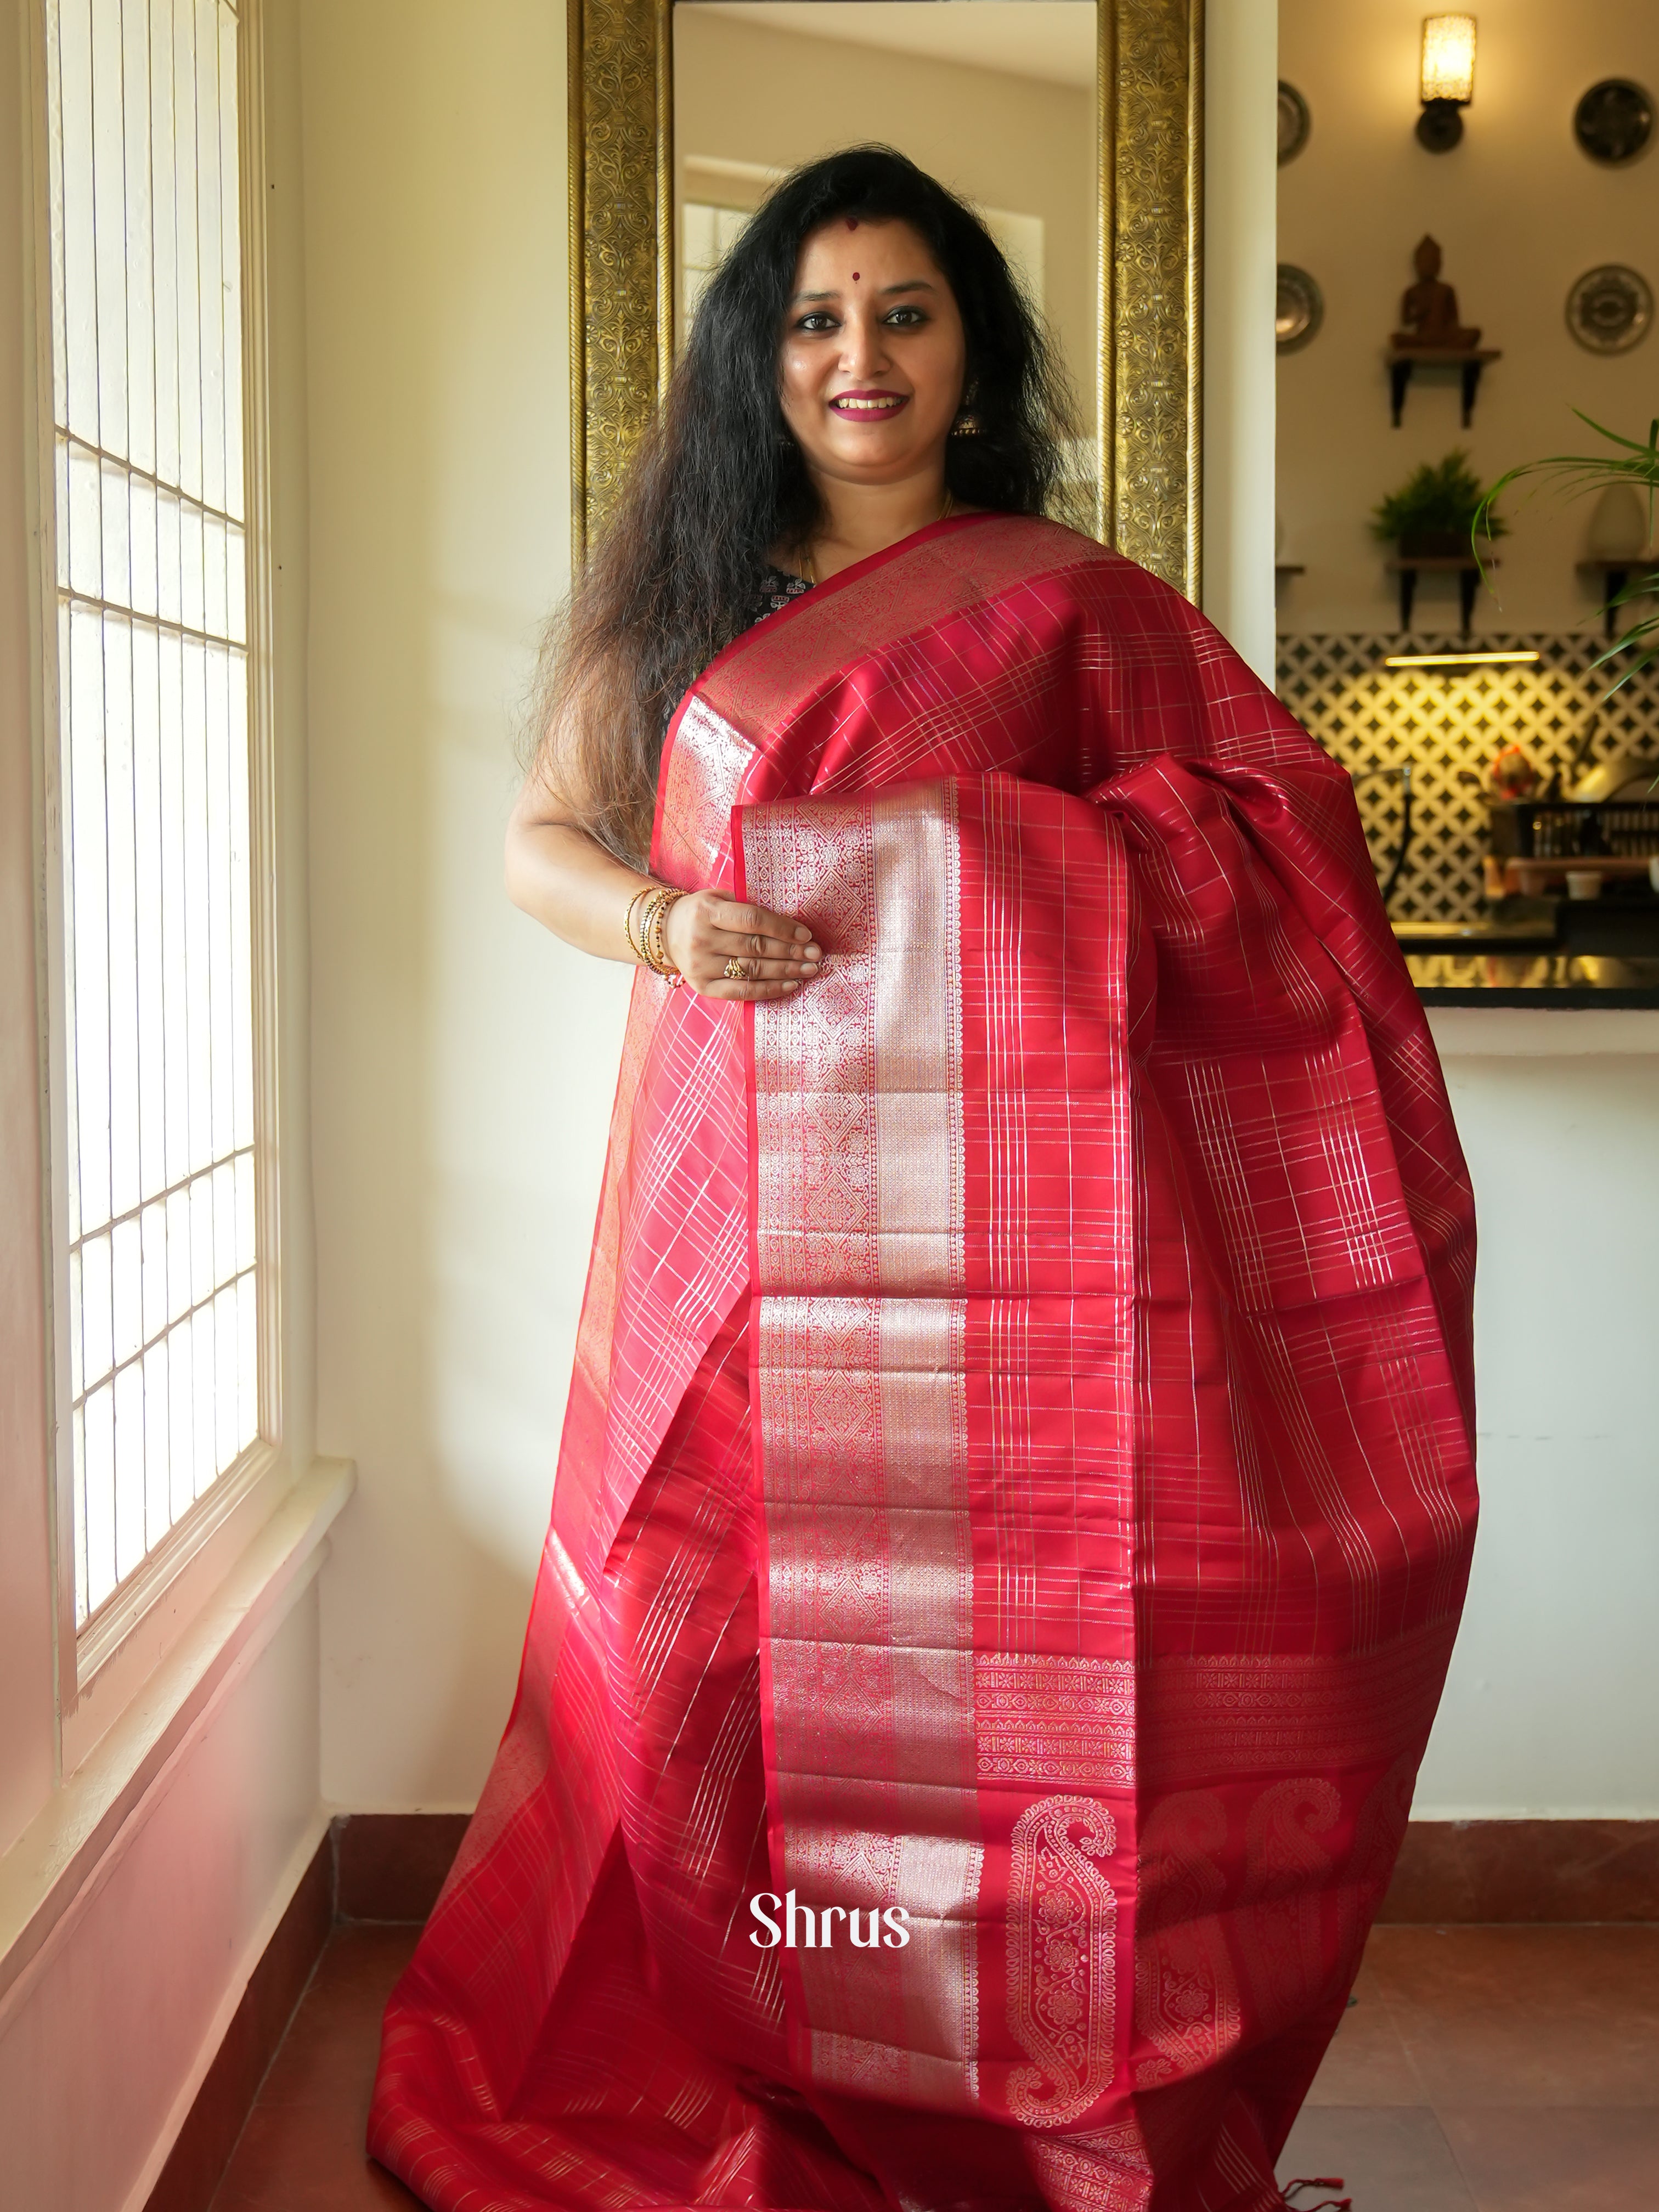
(1613,574)
(1403,359)
(1464,566)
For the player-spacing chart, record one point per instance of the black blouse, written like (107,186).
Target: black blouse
(777,588)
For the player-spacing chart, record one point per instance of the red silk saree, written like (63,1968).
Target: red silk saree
(1016,1492)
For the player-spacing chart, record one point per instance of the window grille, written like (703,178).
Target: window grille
(158,1186)
(707,235)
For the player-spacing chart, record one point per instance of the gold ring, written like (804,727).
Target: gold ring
(737,971)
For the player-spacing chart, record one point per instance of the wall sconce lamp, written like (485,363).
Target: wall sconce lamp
(1447,80)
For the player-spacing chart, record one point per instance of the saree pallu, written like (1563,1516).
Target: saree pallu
(1018,1469)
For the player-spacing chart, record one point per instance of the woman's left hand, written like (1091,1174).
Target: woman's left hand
(728,949)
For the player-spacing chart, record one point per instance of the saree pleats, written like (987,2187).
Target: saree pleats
(1016,1493)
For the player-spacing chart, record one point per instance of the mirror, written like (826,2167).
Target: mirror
(996,98)
(1071,126)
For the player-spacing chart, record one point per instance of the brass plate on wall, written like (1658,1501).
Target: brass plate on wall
(1150,95)
(1298,310)
(1613,121)
(1610,309)
(1294,123)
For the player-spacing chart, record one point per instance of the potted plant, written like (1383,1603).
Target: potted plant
(1433,514)
(1625,463)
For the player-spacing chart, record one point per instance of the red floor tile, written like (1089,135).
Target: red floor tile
(1391,2157)
(1551,2160)
(302,2148)
(1367,2063)
(1527,2017)
(307,2159)
(331,2049)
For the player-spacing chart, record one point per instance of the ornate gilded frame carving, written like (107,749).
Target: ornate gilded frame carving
(622,240)
(1148,398)
(1152,174)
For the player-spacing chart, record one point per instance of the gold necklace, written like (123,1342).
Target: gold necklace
(810,567)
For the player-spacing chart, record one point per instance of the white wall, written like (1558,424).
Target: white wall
(107,2033)
(1240,220)
(1521,213)
(463,1061)
(1552,1707)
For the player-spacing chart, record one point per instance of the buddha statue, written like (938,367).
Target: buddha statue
(1429,309)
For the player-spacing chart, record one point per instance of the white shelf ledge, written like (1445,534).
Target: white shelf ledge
(1545,1032)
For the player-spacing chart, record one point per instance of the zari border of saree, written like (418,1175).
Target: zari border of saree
(715,737)
(857,1365)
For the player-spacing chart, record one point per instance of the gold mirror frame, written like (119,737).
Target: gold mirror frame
(1147,395)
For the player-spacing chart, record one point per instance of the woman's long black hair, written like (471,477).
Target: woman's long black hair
(719,484)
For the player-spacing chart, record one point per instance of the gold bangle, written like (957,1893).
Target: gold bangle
(635,944)
(643,926)
(659,900)
(665,907)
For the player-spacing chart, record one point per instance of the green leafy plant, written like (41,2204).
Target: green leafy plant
(1576,474)
(1441,500)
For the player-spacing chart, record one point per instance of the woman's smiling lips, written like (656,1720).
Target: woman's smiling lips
(868,403)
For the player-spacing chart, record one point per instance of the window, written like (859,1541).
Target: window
(707,235)
(161,1210)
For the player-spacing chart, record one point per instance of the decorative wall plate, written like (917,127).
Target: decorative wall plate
(1294,123)
(1613,122)
(1609,309)
(1300,309)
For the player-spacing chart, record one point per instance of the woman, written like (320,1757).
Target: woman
(1016,1497)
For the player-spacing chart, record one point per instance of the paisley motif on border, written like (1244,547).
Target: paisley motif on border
(1286,1886)
(1062,1927)
(1186,1993)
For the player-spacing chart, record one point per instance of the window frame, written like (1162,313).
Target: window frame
(85,1652)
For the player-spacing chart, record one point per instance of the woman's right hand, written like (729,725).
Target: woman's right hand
(705,930)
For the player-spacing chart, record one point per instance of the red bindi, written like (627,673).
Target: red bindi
(851,223)
(855,276)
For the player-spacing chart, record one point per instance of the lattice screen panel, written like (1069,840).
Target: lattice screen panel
(1449,723)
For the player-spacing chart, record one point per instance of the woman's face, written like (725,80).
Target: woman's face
(873,353)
